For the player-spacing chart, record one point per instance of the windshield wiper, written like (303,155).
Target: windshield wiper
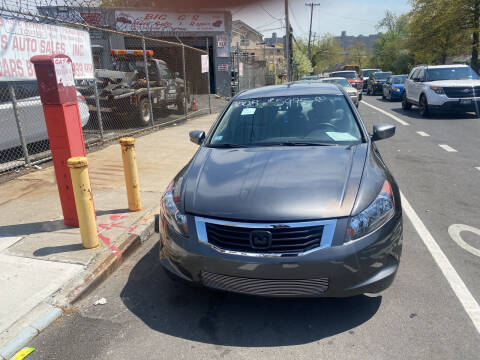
(305,143)
(228,146)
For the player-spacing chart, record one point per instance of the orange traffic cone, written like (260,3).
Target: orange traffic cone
(194,105)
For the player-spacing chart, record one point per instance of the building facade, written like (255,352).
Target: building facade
(187,27)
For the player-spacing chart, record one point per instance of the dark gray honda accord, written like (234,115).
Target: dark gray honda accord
(287,196)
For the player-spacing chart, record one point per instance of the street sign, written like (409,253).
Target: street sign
(205,65)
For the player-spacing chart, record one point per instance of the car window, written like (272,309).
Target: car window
(346,74)
(382,75)
(274,121)
(399,79)
(421,75)
(342,82)
(415,73)
(453,73)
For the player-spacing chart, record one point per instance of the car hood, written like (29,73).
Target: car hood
(452,83)
(274,184)
(398,86)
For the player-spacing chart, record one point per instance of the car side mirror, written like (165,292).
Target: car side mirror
(382,131)
(197,136)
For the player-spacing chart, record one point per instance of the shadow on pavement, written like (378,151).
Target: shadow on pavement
(235,320)
(50,250)
(32,228)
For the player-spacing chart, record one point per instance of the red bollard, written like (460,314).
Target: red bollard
(59,99)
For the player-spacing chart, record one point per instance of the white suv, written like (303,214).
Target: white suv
(442,87)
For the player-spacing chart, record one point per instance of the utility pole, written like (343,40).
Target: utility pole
(312,4)
(288,48)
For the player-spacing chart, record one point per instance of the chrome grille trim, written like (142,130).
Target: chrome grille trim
(326,241)
(265,287)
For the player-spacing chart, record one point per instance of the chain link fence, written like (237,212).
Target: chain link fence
(248,72)
(140,84)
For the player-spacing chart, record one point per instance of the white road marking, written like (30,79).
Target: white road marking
(422,133)
(466,298)
(403,122)
(478,168)
(454,232)
(447,148)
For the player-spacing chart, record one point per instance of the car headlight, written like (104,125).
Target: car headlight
(437,89)
(375,82)
(398,90)
(375,215)
(171,214)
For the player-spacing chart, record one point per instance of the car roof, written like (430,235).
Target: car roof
(442,66)
(291,89)
(400,75)
(334,78)
(343,71)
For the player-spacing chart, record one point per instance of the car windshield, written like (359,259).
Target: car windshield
(366,73)
(342,82)
(287,121)
(399,79)
(346,74)
(451,73)
(382,75)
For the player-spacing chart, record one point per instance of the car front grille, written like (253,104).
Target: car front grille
(265,287)
(283,239)
(462,91)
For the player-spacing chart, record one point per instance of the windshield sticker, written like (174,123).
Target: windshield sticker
(218,138)
(341,136)
(248,111)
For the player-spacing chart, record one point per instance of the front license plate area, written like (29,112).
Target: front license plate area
(465,101)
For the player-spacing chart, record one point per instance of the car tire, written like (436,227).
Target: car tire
(143,116)
(423,106)
(405,104)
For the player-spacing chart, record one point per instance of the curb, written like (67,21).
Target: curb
(102,269)
(27,334)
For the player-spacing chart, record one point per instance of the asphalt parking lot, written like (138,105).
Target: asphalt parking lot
(430,312)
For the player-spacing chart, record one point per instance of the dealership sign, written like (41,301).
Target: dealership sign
(20,40)
(153,21)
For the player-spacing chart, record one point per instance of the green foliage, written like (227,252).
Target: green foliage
(390,52)
(326,52)
(357,54)
(303,66)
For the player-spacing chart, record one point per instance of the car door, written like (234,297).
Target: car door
(412,90)
(387,87)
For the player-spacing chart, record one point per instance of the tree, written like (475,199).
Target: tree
(357,53)
(326,52)
(390,51)
(469,13)
(302,63)
(435,30)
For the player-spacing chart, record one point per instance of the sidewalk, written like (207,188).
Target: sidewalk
(42,263)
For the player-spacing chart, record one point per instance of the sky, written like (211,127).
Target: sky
(332,16)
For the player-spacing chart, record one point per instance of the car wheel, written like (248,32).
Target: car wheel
(405,104)
(423,106)
(143,117)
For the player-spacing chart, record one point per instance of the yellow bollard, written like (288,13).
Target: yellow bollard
(83,201)
(131,173)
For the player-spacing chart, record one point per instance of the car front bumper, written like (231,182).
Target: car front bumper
(457,105)
(366,265)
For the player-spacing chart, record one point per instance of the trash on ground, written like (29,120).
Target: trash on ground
(101,301)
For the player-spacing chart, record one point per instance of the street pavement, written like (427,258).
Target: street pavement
(427,313)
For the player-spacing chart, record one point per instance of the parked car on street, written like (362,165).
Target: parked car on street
(393,87)
(286,196)
(442,88)
(351,76)
(30,112)
(376,81)
(365,74)
(354,94)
